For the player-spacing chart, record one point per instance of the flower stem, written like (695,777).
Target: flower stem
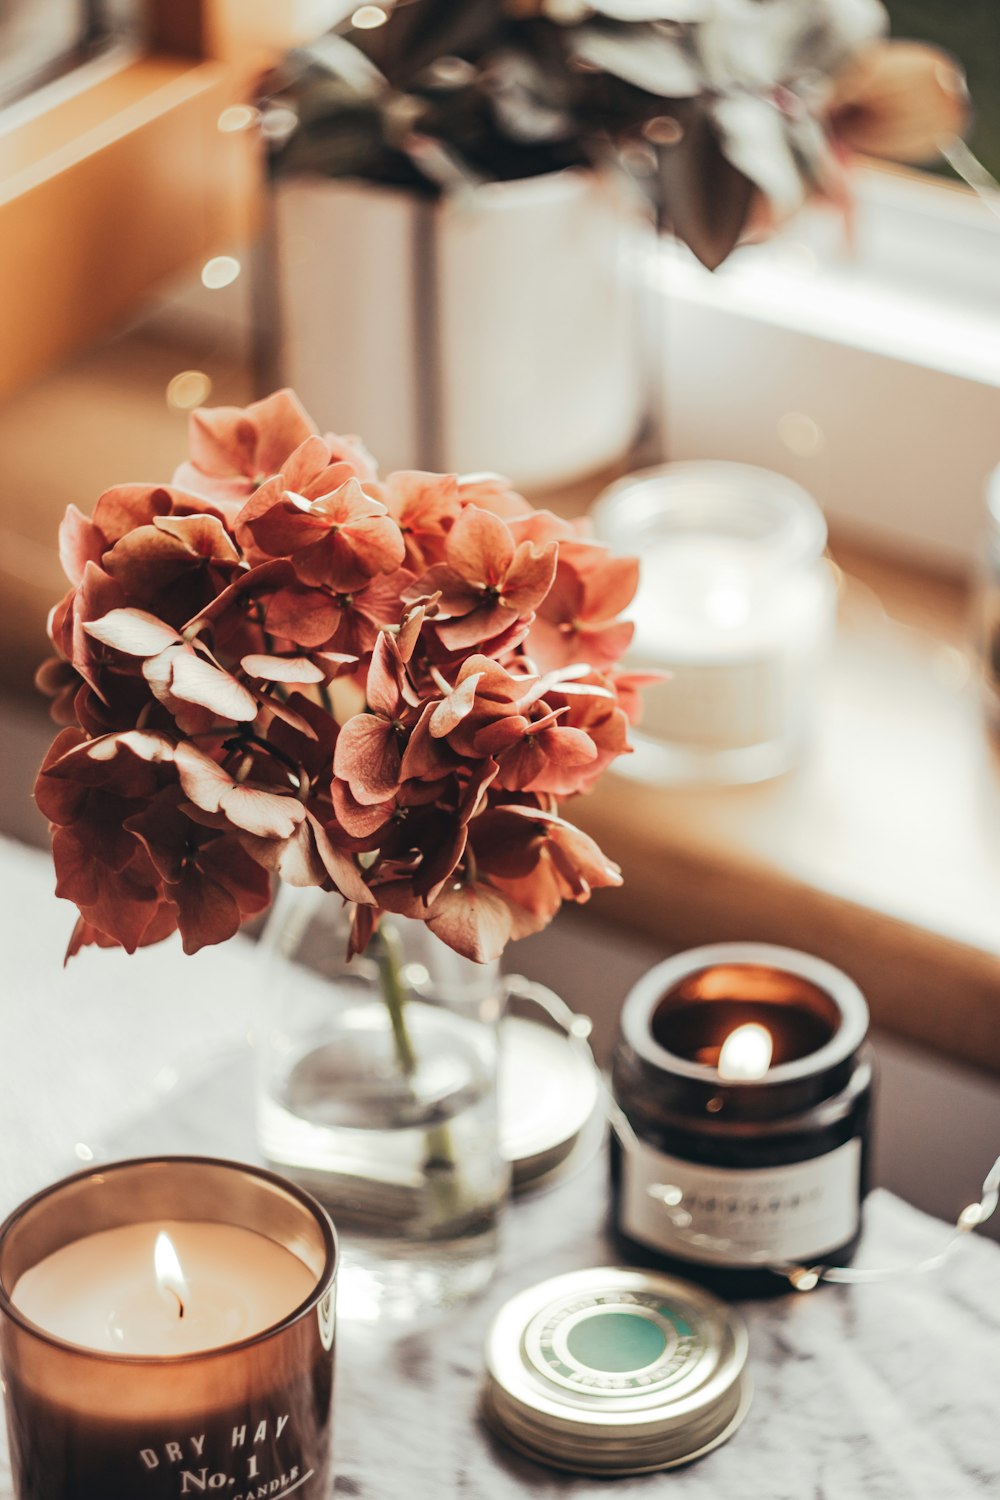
(439,1163)
(390,956)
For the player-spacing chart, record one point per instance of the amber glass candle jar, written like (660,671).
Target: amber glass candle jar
(744,1080)
(166,1329)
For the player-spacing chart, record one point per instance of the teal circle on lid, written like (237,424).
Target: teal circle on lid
(616,1342)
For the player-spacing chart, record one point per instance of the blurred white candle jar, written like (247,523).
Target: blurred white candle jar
(737,603)
(495,328)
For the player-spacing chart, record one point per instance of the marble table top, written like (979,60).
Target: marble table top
(880,1392)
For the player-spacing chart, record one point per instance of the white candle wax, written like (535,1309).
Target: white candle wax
(740,638)
(102,1291)
(735,602)
(716,599)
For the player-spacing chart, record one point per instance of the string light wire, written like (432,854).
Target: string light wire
(971,170)
(578,1030)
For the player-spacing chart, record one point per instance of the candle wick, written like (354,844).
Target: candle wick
(180,1301)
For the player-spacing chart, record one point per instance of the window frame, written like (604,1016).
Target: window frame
(901,315)
(117,179)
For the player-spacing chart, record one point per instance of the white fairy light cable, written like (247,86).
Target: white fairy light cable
(971,170)
(578,1029)
(804,1278)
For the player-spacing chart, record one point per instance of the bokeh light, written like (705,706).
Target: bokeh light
(237,117)
(189,389)
(367,17)
(220,271)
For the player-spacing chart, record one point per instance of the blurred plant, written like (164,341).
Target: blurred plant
(729,112)
(281,665)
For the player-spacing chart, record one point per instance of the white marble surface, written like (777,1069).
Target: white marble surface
(887,1392)
(86,1048)
(868,1393)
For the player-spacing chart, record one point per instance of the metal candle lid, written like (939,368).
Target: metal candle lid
(613,1371)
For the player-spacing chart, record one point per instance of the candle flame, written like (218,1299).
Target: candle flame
(169,1275)
(746,1052)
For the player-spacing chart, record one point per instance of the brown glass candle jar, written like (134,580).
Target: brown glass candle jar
(248,1415)
(735,1169)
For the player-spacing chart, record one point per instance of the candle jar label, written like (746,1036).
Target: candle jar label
(245,1458)
(245,1453)
(728,1217)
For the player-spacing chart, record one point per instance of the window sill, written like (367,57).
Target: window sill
(142,183)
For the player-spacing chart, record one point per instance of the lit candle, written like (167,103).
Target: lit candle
(166,1329)
(174,1288)
(744,1080)
(746,1052)
(734,603)
(170,1279)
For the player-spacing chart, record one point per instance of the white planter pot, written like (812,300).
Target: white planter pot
(497,331)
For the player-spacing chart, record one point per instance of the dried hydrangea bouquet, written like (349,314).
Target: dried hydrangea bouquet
(280,665)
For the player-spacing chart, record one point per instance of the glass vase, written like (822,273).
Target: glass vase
(377,1091)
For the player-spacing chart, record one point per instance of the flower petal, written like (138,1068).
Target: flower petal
(144,744)
(206,911)
(261,581)
(80,542)
(60,800)
(654,62)
(754,139)
(195,680)
(529,577)
(272,708)
(424,755)
(472,919)
(203,779)
(479,546)
(359,820)
(341,868)
(459,703)
(609,584)
(282,423)
(368,756)
(309,617)
(265,814)
(126,506)
(201,535)
(479,627)
(133,631)
(294,860)
(227,440)
(287,525)
(282,668)
(382,682)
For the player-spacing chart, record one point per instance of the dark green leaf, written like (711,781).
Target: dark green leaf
(702,197)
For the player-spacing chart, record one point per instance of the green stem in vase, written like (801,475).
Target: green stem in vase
(390,969)
(440,1161)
